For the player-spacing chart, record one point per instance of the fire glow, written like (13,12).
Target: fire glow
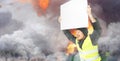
(44,4)
(40,6)
(71,48)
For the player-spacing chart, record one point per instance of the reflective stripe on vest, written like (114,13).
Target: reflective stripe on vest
(88,51)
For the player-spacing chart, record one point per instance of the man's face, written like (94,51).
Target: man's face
(79,34)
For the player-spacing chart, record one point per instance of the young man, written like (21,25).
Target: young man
(86,43)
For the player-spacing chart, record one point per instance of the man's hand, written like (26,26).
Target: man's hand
(90,14)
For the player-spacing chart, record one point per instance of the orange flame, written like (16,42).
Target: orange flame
(44,4)
(39,5)
(70,48)
(73,31)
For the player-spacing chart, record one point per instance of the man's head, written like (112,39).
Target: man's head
(79,33)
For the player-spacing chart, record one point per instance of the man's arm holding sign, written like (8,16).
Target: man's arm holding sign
(96,27)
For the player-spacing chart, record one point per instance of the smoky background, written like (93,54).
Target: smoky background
(28,33)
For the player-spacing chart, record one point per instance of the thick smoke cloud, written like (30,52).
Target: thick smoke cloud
(34,38)
(4,21)
(111,42)
(7,24)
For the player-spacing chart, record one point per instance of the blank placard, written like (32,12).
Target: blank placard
(74,14)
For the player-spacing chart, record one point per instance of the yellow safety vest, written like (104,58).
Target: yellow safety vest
(89,52)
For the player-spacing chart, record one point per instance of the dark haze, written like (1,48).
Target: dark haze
(109,9)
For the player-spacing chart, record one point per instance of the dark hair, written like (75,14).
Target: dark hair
(84,30)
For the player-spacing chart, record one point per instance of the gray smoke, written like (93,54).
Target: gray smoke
(30,36)
(111,42)
(7,24)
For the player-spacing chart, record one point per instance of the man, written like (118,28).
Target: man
(86,43)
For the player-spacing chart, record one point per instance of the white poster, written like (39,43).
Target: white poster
(74,14)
